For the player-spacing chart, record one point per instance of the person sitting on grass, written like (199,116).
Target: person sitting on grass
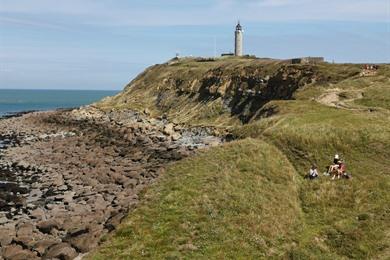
(339,171)
(313,172)
(342,169)
(333,167)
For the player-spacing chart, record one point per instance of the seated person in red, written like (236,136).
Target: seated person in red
(340,169)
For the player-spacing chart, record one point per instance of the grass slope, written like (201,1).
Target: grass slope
(343,218)
(248,199)
(218,204)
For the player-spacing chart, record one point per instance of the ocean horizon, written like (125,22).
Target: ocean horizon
(19,100)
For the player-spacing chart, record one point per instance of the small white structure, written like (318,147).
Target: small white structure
(238,40)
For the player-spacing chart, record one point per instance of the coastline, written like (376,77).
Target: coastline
(8,115)
(70,176)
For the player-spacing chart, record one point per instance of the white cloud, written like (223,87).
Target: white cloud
(31,22)
(280,3)
(171,12)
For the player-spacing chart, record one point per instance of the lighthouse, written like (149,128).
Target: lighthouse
(238,40)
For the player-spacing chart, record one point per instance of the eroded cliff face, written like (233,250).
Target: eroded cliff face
(239,88)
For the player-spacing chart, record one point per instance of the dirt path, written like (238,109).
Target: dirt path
(341,98)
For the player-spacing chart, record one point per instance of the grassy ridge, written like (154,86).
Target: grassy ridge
(344,218)
(248,199)
(218,204)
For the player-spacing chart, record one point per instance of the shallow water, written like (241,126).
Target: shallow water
(17,100)
(11,190)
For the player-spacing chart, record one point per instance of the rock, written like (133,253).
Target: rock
(23,165)
(24,230)
(62,188)
(38,214)
(87,241)
(68,196)
(169,129)
(146,111)
(3,220)
(61,251)
(30,206)
(175,136)
(16,252)
(7,233)
(42,245)
(47,225)
(114,220)
(130,184)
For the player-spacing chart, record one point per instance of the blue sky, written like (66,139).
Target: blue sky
(103,44)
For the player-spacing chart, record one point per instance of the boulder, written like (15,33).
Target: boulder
(38,214)
(7,233)
(61,251)
(42,245)
(46,226)
(24,230)
(86,241)
(3,220)
(169,129)
(130,183)
(16,252)
(175,136)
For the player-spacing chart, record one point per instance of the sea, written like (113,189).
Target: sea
(20,100)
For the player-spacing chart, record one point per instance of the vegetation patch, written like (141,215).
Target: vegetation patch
(238,200)
(249,198)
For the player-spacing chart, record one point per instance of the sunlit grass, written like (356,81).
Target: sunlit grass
(248,199)
(238,200)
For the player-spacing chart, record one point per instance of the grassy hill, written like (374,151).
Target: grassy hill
(248,199)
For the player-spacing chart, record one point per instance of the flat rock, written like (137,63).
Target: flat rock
(86,241)
(16,252)
(24,230)
(38,214)
(7,233)
(42,245)
(61,251)
(47,225)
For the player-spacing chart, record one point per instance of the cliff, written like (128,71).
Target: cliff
(197,90)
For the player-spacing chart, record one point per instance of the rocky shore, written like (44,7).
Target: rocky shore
(69,177)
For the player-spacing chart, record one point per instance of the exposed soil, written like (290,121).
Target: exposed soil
(341,98)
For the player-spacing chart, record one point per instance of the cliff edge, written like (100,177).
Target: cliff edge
(249,199)
(201,90)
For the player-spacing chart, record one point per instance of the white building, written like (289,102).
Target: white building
(238,40)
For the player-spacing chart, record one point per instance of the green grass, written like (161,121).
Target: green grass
(218,204)
(249,200)
(378,96)
(332,209)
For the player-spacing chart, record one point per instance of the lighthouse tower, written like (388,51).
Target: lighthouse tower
(238,40)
